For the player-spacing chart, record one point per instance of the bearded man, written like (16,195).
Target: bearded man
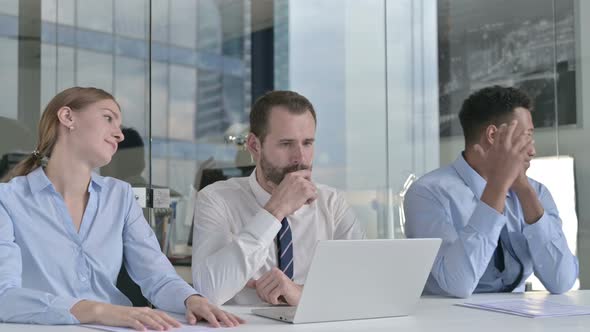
(254,237)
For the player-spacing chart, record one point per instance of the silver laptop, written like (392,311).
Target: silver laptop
(359,279)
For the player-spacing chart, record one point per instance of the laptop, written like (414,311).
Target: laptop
(360,279)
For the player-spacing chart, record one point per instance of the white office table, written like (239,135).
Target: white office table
(433,314)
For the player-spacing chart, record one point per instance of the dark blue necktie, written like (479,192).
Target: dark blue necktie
(500,265)
(285,244)
(499,257)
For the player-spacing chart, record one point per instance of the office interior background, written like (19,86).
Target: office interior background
(387,79)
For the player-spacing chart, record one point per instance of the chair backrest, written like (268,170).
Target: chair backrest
(211,175)
(9,160)
(130,289)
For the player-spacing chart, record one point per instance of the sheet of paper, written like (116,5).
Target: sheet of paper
(532,308)
(184,328)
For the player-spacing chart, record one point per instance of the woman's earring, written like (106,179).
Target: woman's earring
(71,128)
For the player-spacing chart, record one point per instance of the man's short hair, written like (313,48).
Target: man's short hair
(491,105)
(292,101)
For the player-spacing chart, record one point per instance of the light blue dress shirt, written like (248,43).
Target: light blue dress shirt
(46,266)
(446,204)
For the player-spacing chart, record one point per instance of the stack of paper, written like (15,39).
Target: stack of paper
(532,308)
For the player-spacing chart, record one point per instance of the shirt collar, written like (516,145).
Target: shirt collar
(96,181)
(474,181)
(261,195)
(38,181)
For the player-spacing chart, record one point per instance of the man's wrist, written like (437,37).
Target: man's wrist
(275,211)
(497,188)
(494,195)
(523,188)
(499,184)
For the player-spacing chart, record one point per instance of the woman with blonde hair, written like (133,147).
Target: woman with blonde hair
(65,231)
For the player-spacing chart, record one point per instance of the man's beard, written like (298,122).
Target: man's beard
(276,174)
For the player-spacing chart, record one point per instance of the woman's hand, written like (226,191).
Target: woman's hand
(138,318)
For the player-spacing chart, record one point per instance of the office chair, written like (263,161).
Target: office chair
(9,160)
(130,289)
(211,175)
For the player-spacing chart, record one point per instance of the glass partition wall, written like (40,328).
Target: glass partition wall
(387,79)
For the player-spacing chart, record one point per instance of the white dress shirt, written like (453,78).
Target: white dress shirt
(234,236)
